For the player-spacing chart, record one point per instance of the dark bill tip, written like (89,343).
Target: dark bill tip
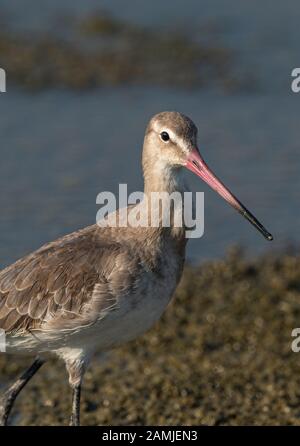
(250,217)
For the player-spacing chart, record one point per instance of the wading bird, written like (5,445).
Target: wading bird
(102,286)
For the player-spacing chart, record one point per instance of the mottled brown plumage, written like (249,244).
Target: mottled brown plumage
(73,281)
(55,281)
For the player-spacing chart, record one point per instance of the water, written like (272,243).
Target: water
(60,149)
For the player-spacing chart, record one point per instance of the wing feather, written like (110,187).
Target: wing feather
(82,274)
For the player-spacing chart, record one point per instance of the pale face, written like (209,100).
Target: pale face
(170,138)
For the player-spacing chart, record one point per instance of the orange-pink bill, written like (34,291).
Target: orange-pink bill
(196,164)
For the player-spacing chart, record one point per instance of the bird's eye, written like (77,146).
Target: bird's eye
(165,136)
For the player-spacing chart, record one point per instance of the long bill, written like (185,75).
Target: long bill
(196,164)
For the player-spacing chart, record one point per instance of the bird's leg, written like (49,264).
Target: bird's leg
(75,416)
(11,394)
(76,368)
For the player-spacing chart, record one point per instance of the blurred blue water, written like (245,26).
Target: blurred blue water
(60,149)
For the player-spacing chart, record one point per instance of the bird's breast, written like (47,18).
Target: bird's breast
(139,310)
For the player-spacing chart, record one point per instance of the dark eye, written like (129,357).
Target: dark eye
(165,136)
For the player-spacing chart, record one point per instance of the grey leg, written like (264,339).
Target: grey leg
(75,416)
(11,394)
(76,368)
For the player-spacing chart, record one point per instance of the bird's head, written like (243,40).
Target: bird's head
(171,143)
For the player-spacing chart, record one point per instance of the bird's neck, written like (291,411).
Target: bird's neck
(164,195)
(163,178)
